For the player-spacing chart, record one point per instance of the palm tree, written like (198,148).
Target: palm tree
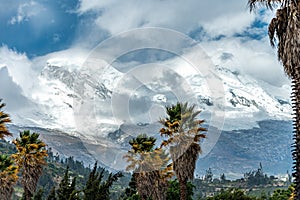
(30,158)
(284,31)
(4,118)
(183,133)
(8,177)
(151,167)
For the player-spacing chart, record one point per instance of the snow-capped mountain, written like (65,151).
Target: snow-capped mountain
(105,107)
(64,91)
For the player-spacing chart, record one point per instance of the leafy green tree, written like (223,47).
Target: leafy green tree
(97,189)
(131,191)
(93,184)
(47,179)
(104,190)
(184,134)
(30,158)
(52,195)
(173,192)
(66,187)
(282,194)
(8,177)
(39,195)
(283,32)
(231,194)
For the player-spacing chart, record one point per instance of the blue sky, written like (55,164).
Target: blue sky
(38,27)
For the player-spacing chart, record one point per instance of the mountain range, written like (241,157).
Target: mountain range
(92,112)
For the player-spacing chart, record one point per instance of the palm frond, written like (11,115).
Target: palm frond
(4,118)
(270,4)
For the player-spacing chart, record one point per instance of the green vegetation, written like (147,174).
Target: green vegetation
(231,194)
(173,192)
(237,194)
(40,168)
(255,183)
(66,188)
(182,134)
(283,193)
(54,172)
(31,172)
(70,179)
(95,188)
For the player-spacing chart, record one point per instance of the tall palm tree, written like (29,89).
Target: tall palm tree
(4,118)
(8,171)
(183,134)
(284,32)
(151,167)
(8,177)
(30,158)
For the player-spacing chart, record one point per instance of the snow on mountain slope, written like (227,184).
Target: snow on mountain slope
(246,99)
(105,107)
(62,85)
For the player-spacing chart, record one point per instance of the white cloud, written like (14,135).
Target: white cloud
(19,68)
(38,16)
(252,57)
(25,72)
(217,16)
(26,11)
(72,57)
(228,24)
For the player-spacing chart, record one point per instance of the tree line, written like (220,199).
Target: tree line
(158,172)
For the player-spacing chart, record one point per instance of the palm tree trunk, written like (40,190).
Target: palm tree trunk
(296,124)
(6,191)
(183,189)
